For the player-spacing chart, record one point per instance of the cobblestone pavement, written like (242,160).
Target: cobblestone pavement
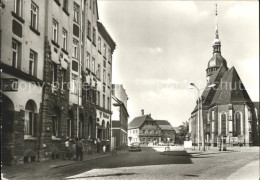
(154,163)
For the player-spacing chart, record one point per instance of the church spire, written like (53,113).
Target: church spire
(217,43)
(216,30)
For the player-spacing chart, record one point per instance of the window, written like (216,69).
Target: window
(63,76)
(94,7)
(89,30)
(16,53)
(109,55)
(54,75)
(94,36)
(76,13)
(212,115)
(32,63)
(93,65)
(104,64)
(108,103)
(29,123)
(98,98)
(108,79)
(88,61)
(55,30)
(105,50)
(99,44)
(90,4)
(223,124)
(99,71)
(104,76)
(64,39)
(237,124)
(18,7)
(65,5)
(55,125)
(75,66)
(74,84)
(75,49)
(143,131)
(69,127)
(104,101)
(80,128)
(34,16)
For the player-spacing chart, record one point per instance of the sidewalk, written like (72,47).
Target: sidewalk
(249,171)
(38,167)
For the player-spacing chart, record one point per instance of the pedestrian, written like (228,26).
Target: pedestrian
(67,146)
(73,149)
(104,148)
(79,148)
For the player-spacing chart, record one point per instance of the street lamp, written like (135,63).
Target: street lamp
(200,116)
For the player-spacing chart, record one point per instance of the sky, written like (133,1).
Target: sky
(162,46)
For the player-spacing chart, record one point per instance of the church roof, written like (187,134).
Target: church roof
(231,89)
(209,93)
(138,121)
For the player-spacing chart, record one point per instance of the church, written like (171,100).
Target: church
(224,110)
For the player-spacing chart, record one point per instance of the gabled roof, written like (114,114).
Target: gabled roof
(120,103)
(164,125)
(138,121)
(231,89)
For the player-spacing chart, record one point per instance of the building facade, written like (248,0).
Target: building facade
(119,117)
(167,131)
(226,110)
(144,129)
(54,74)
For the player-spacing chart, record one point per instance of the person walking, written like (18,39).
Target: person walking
(79,149)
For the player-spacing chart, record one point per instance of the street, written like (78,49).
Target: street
(154,163)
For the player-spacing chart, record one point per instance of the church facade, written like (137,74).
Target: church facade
(225,108)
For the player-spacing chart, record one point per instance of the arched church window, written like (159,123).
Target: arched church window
(223,124)
(237,124)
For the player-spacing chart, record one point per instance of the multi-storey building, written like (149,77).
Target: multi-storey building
(22,61)
(49,58)
(119,117)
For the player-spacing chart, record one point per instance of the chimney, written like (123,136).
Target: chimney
(142,111)
(149,115)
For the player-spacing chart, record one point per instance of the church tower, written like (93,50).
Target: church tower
(217,60)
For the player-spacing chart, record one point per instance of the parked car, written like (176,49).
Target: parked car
(135,147)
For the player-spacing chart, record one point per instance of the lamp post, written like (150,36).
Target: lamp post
(200,116)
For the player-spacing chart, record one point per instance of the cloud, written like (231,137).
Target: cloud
(151,50)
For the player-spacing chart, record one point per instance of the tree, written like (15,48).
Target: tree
(183,131)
